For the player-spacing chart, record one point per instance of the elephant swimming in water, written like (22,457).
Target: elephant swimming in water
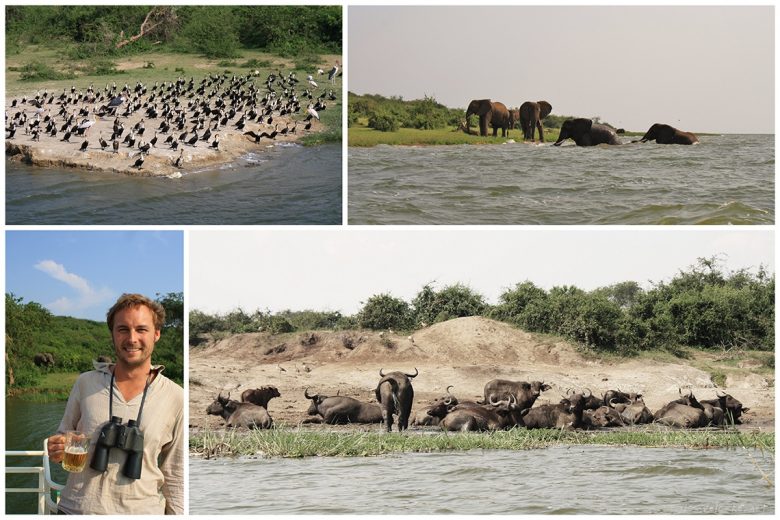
(585,132)
(665,134)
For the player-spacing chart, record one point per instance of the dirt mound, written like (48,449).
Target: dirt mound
(464,352)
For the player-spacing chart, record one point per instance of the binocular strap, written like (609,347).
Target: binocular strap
(143,398)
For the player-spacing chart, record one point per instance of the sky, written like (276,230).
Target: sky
(82,273)
(338,270)
(697,68)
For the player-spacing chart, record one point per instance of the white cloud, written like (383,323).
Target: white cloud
(86,295)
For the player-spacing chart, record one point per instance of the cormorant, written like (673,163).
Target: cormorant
(116,146)
(102,142)
(193,140)
(84,145)
(179,160)
(139,162)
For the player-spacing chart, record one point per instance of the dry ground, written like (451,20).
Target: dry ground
(465,352)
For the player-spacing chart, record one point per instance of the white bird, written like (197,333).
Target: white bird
(320,72)
(312,83)
(313,113)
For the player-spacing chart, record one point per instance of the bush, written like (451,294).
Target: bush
(384,312)
(382,121)
(454,301)
(37,71)
(211,31)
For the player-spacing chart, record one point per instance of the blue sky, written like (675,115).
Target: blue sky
(82,273)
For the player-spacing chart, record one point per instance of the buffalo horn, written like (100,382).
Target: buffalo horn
(590,393)
(306,394)
(611,403)
(380,373)
(416,372)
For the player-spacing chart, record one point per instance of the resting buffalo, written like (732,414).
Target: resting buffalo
(685,412)
(343,410)
(524,393)
(423,418)
(395,394)
(635,413)
(612,397)
(602,417)
(566,414)
(732,408)
(260,396)
(498,415)
(238,414)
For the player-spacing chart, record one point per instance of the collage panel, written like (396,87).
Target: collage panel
(93,339)
(329,371)
(173,115)
(448,127)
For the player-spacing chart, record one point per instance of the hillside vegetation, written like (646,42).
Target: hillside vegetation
(702,307)
(74,343)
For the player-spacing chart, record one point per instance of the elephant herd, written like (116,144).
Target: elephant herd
(506,404)
(584,132)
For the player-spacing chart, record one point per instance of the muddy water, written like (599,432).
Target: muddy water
(564,480)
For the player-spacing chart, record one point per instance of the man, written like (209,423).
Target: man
(135,322)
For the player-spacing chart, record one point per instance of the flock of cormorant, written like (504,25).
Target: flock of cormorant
(187,112)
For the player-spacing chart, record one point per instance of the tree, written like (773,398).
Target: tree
(384,312)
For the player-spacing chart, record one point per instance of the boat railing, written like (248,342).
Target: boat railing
(46,504)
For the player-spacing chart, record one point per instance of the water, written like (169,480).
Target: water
(567,480)
(724,180)
(26,425)
(285,185)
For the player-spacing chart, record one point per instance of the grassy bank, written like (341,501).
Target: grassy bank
(149,68)
(53,387)
(294,443)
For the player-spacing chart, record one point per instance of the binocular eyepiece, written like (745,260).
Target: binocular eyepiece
(125,437)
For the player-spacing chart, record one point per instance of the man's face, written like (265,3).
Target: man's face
(134,336)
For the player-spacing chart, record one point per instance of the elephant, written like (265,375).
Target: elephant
(665,134)
(514,118)
(586,133)
(531,115)
(490,112)
(43,359)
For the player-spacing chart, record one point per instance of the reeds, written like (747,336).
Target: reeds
(299,442)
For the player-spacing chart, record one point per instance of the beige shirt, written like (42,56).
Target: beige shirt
(160,490)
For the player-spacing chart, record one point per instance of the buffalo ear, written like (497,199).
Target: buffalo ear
(544,109)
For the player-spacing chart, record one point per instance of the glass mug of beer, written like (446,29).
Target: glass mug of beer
(76,448)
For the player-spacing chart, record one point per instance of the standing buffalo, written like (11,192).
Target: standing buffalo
(237,414)
(343,410)
(260,396)
(566,414)
(524,393)
(395,394)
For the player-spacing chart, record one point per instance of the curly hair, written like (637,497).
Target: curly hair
(127,301)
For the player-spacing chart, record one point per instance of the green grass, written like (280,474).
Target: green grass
(296,443)
(53,387)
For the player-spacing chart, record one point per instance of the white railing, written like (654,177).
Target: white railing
(46,505)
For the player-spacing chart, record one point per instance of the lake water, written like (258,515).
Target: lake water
(288,184)
(26,425)
(564,480)
(726,179)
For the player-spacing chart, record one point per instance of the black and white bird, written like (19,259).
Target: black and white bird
(333,72)
(215,142)
(115,145)
(179,160)
(139,163)
(103,143)
(84,145)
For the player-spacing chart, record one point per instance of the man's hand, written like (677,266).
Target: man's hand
(56,447)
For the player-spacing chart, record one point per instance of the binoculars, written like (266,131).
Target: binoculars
(125,437)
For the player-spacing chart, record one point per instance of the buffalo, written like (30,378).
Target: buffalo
(565,415)
(423,418)
(238,414)
(685,412)
(524,393)
(612,397)
(601,417)
(498,415)
(732,408)
(343,410)
(395,394)
(260,396)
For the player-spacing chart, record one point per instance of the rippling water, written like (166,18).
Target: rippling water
(566,480)
(286,185)
(726,179)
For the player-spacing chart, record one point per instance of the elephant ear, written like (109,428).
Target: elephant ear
(544,109)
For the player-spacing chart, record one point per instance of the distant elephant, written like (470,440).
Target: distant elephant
(531,115)
(586,133)
(665,134)
(43,359)
(514,119)
(491,113)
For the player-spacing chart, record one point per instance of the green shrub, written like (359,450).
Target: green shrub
(382,121)
(454,301)
(37,71)
(210,31)
(384,312)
